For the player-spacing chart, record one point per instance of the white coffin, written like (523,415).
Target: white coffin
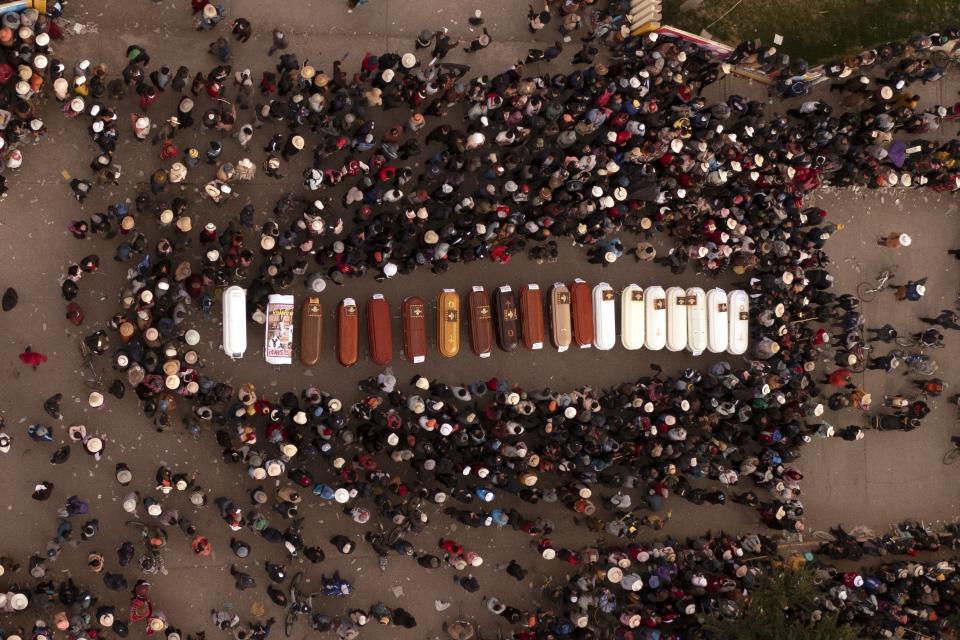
(278,344)
(718,324)
(234,322)
(739,317)
(676,319)
(655,312)
(604,317)
(696,320)
(631,317)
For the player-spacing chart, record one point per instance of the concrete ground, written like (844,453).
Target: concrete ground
(884,478)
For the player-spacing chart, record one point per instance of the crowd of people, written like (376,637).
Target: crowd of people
(616,141)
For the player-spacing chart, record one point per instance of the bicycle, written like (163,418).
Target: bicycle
(860,533)
(907,341)
(866,293)
(154,539)
(86,356)
(953,454)
(921,364)
(481,636)
(396,533)
(298,604)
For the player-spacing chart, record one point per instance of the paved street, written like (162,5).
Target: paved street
(884,478)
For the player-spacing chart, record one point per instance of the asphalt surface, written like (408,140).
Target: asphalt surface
(884,478)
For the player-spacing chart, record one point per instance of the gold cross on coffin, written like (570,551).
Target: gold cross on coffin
(564,298)
(451,316)
(315,308)
(509,314)
(417,311)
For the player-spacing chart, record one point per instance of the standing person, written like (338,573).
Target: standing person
(912,291)
(894,240)
(81,189)
(220,49)
(886,333)
(947,319)
(570,23)
(537,20)
(840,378)
(425,39)
(585,55)
(480,42)
(533,55)
(442,45)
(885,363)
(280,42)
(553,52)
(209,18)
(242,29)
(292,147)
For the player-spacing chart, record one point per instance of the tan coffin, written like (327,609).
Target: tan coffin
(448,323)
(348,332)
(561,331)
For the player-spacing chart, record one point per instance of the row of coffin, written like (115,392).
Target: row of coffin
(675,319)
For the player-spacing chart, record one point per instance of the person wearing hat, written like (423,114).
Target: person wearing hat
(209,17)
(123,474)
(42,491)
(80,188)
(912,291)
(894,240)
(425,39)
(480,42)
(408,62)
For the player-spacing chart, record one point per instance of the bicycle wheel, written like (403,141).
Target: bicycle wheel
(952,455)
(394,535)
(296,590)
(866,292)
(136,524)
(926,368)
(289,620)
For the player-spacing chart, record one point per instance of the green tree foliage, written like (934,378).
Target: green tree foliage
(780,608)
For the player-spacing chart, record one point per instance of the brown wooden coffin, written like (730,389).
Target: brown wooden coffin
(448,323)
(561,332)
(348,332)
(507,318)
(379,332)
(581,311)
(311,331)
(481,322)
(414,314)
(531,317)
